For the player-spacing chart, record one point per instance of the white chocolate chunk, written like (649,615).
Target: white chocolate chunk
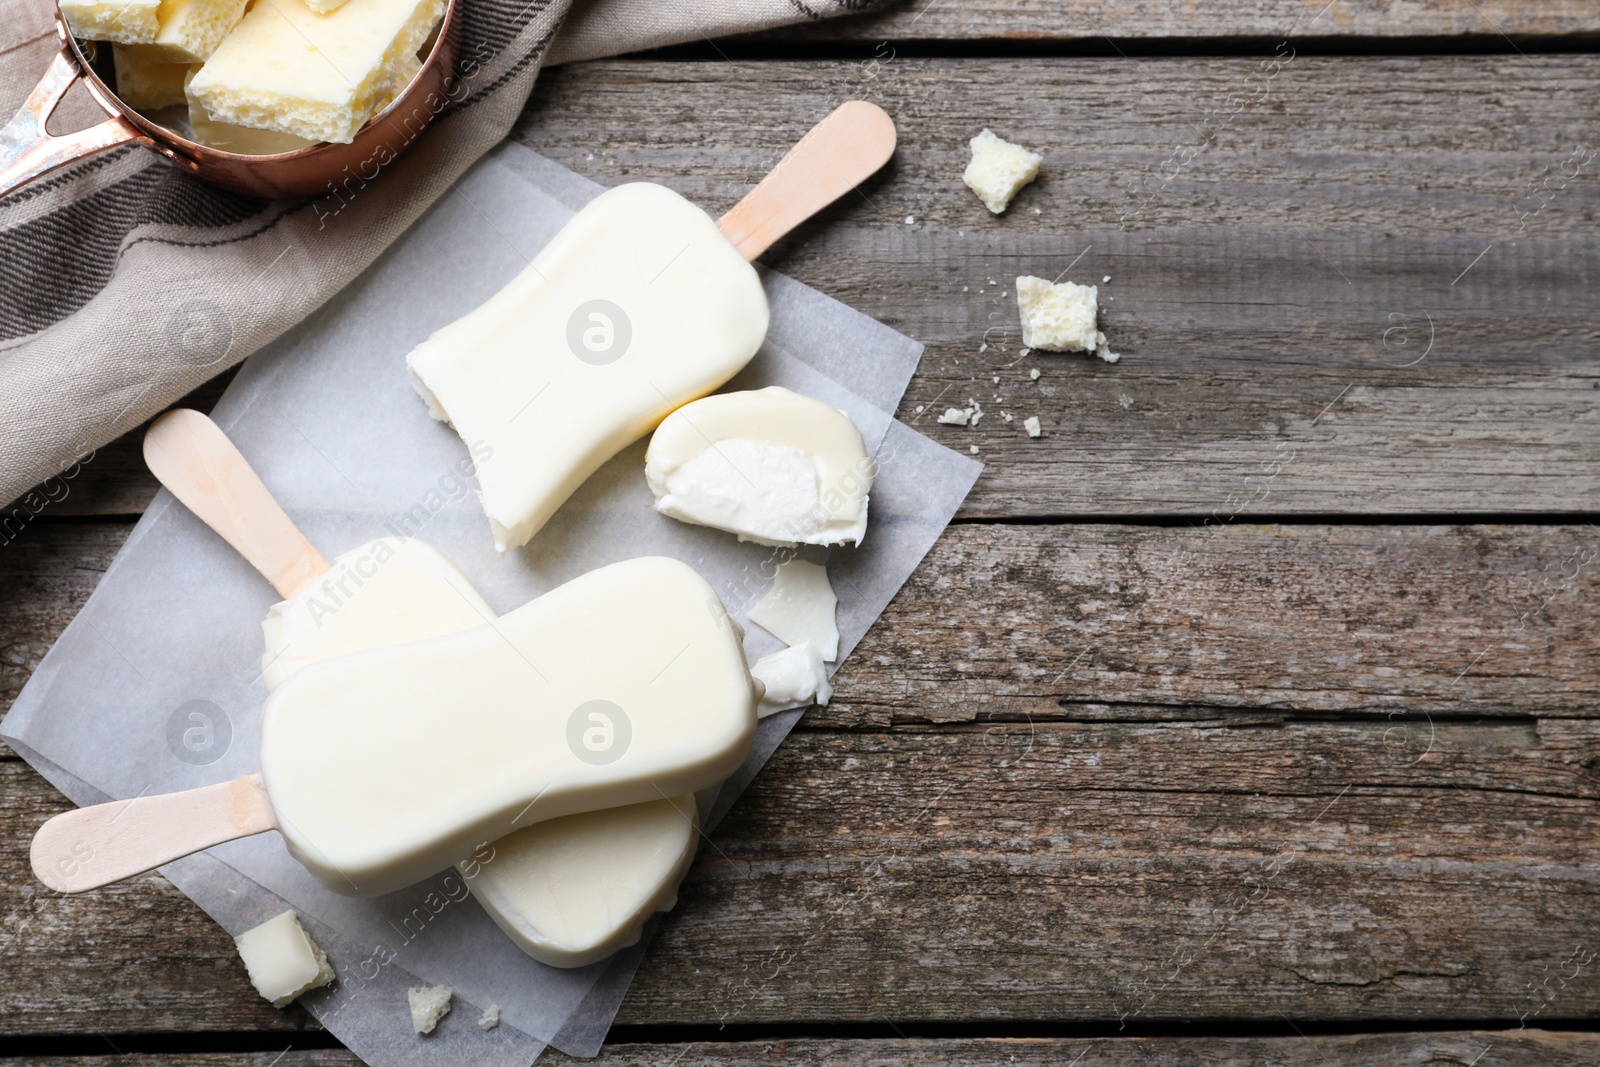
(121,21)
(320,77)
(240,140)
(794,678)
(799,608)
(1031,424)
(490,1017)
(386,766)
(385,592)
(192,29)
(282,959)
(955,417)
(572,891)
(999,169)
(145,82)
(429,1004)
(1058,317)
(244,141)
(769,465)
(636,307)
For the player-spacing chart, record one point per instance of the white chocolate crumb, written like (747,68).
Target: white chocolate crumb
(1059,317)
(1034,374)
(490,1017)
(1031,424)
(429,1004)
(998,170)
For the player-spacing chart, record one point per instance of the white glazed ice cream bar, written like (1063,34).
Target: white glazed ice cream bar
(406,725)
(568,891)
(589,891)
(385,766)
(382,767)
(636,307)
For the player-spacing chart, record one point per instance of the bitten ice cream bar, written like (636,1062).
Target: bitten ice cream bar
(640,304)
(636,307)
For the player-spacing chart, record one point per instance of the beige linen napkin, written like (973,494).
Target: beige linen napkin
(124,284)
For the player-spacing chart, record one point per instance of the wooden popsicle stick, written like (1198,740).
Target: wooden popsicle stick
(104,843)
(195,460)
(834,156)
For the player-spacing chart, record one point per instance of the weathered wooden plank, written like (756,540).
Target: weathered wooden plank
(46,575)
(1272,270)
(1261,761)
(952,877)
(1041,21)
(1053,872)
(1401,625)
(1296,288)
(1100,622)
(1533,1048)
(1105,27)
(136,957)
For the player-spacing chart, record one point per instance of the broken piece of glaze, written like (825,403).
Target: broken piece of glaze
(799,608)
(793,678)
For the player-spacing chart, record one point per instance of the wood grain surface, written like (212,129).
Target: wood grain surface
(1296,289)
(1532,1048)
(1258,695)
(1339,284)
(1252,794)
(1043,22)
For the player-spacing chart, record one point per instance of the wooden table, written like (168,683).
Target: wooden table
(1248,714)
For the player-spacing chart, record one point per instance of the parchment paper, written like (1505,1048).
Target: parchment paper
(328,418)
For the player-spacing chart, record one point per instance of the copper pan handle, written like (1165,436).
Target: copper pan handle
(28,152)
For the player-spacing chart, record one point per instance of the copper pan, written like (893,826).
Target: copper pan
(28,152)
